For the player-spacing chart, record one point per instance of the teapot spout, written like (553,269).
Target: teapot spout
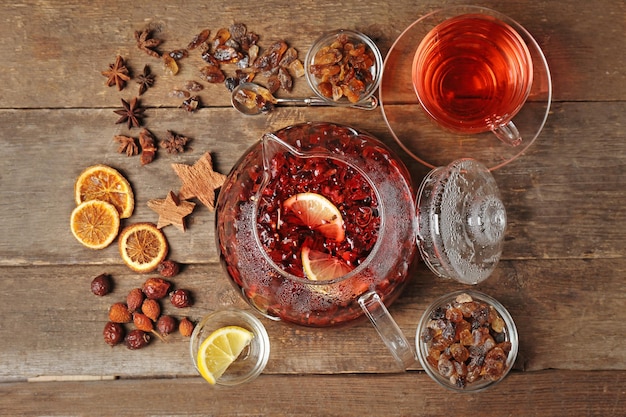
(272,145)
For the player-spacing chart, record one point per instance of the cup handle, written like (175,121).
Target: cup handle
(508,134)
(388,329)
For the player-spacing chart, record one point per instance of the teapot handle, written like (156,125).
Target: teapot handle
(388,330)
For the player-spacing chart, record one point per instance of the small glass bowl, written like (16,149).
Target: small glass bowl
(356,38)
(483,357)
(251,361)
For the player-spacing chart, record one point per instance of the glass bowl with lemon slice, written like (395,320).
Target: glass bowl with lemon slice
(229,347)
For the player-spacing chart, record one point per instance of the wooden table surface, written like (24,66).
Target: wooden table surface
(562,274)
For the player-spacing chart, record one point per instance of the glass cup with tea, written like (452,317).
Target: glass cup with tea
(473,72)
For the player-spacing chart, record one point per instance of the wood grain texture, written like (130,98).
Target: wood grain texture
(561,275)
(51,43)
(569,315)
(546,393)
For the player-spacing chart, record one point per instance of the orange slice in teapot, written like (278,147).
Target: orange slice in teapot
(321,266)
(318,213)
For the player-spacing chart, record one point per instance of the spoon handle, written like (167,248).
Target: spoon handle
(371,104)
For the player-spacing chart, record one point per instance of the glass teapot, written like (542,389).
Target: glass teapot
(317,226)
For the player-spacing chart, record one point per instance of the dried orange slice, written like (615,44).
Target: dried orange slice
(317,212)
(321,266)
(95,223)
(101,182)
(142,246)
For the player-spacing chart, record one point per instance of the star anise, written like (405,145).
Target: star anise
(132,113)
(146,43)
(128,145)
(145,80)
(117,74)
(174,143)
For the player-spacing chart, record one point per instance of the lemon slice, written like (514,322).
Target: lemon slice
(317,212)
(101,182)
(95,223)
(321,266)
(220,350)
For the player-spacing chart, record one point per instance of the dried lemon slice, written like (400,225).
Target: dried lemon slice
(95,223)
(142,246)
(220,350)
(101,182)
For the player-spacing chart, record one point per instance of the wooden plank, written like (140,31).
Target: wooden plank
(60,48)
(550,393)
(553,194)
(569,314)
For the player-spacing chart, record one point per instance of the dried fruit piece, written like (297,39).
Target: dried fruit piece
(113,333)
(137,339)
(142,246)
(148,146)
(134,299)
(142,322)
(151,308)
(181,298)
(101,182)
(101,285)
(156,288)
(166,324)
(168,268)
(185,327)
(118,313)
(95,223)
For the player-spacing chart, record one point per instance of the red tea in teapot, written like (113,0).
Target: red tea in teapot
(312,218)
(298,193)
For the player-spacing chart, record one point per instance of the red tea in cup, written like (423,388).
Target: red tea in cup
(472,73)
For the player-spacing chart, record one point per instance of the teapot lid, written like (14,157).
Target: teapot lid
(461,221)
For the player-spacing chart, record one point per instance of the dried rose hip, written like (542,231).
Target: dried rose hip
(181,298)
(156,288)
(134,299)
(166,324)
(101,285)
(113,333)
(151,308)
(168,268)
(137,339)
(185,327)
